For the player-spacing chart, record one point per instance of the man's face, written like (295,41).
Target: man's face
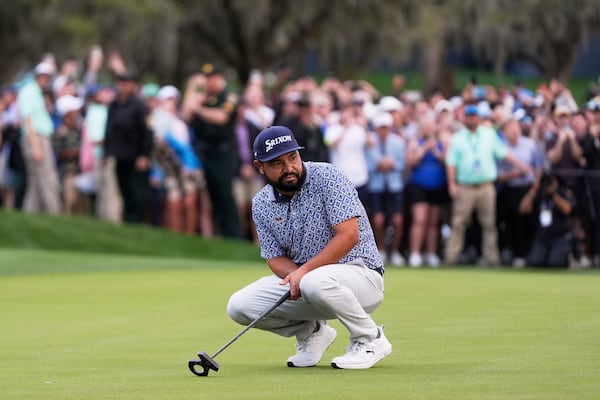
(215,83)
(471,121)
(43,80)
(126,87)
(283,173)
(512,131)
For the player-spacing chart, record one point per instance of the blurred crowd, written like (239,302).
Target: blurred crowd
(494,176)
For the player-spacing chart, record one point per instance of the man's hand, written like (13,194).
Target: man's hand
(293,279)
(452,189)
(36,153)
(526,205)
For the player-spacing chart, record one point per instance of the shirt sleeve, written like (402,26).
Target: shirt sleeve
(341,198)
(500,148)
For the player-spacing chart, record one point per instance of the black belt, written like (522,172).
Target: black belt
(379,270)
(475,185)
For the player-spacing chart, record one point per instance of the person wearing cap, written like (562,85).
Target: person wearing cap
(386,163)
(43,188)
(67,146)
(212,116)
(184,177)
(394,107)
(129,140)
(316,238)
(471,171)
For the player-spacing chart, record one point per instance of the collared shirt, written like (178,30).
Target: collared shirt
(528,153)
(393,181)
(474,155)
(301,226)
(32,105)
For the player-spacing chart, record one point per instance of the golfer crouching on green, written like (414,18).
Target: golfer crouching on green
(317,240)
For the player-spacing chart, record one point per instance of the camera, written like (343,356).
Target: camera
(546,182)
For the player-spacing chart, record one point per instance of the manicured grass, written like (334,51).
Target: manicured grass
(91,325)
(38,231)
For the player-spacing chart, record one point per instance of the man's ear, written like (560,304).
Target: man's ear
(259,167)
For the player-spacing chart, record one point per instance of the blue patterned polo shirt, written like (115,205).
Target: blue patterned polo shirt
(301,226)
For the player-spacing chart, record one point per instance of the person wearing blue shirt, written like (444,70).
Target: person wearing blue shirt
(428,191)
(385,162)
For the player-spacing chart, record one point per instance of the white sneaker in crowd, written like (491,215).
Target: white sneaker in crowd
(364,355)
(396,259)
(311,349)
(519,262)
(433,260)
(415,260)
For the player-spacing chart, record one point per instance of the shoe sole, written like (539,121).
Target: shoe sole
(362,366)
(292,365)
(386,353)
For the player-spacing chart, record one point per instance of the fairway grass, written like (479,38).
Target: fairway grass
(99,326)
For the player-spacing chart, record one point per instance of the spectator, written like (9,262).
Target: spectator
(248,181)
(566,157)
(109,204)
(212,116)
(428,191)
(128,139)
(591,152)
(175,156)
(14,173)
(394,107)
(552,243)
(308,133)
(43,188)
(471,172)
(517,192)
(348,141)
(255,110)
(385,160)
(67,146)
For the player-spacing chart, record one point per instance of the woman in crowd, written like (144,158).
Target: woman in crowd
(428,191)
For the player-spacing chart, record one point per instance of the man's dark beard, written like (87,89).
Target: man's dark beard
(281,186)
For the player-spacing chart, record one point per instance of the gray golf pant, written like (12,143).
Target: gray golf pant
(347,292)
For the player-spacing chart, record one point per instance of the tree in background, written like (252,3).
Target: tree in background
(169,39)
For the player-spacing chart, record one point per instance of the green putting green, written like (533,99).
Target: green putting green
(98,326)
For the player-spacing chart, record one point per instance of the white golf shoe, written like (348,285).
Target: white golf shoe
(364,355)
(311,349)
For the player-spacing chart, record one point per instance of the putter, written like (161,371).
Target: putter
(207,362)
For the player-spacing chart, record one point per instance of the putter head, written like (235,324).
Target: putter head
(205,361)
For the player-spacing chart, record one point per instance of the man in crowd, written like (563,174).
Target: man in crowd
(213,116)
(129,140)
(43,187)
(471,170)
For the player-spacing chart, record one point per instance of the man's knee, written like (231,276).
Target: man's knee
(314,285)
(237,309)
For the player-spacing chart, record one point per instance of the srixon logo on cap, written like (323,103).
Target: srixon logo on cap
(270,143)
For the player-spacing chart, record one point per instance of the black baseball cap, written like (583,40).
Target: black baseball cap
(274,142)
